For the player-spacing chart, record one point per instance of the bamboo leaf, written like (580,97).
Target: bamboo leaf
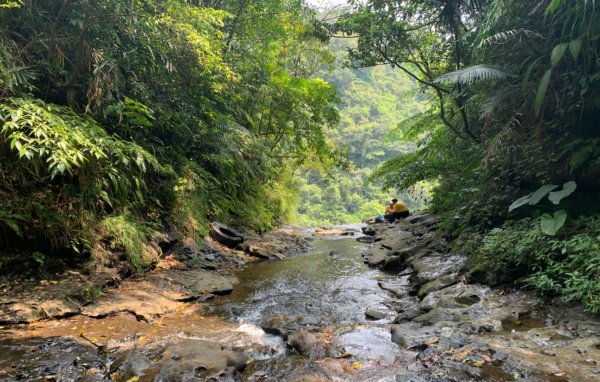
(558,53)
(541,91)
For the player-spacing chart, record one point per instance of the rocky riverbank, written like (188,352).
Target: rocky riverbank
(458,331)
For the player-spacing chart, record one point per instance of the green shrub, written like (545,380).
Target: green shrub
(71,167)
(567,264)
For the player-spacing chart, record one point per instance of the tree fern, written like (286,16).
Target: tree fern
(498,140)
(503,98)
(508,37)
(475,74)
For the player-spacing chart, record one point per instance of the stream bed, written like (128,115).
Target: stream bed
(319,316)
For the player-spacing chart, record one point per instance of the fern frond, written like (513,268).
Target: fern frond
(474,74)
(508,36)
(498,139)
(502,98)
(229,126)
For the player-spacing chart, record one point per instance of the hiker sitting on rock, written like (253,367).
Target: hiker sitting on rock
(400,211)
(389,211)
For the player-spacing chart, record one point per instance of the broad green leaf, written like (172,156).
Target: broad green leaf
(550,225)
(14,226)
(541,192)
(575,48)
(557,53)
(568,188)
(519,202)
(554,4)
(541,91)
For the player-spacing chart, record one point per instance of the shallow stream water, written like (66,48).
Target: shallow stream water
(326,292)
(329,285)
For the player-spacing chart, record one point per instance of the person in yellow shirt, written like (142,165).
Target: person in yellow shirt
(400,210)
(389,211)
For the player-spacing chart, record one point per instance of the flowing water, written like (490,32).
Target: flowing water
(325,292)
(328,288)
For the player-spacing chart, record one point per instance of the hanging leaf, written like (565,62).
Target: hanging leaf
(550,225)
(541,91)
(519,202)
(540,193)
(568,189)
(575,48)
(557,53)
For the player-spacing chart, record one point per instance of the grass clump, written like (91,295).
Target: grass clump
(122,233)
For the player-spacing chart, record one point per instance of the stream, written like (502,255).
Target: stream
(328,290)
(318,316)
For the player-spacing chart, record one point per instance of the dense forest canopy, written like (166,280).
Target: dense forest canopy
(119,118)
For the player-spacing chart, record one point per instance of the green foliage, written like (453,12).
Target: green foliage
(168,112)
(549,224)
(122,233)
(70,163)
(567,264)
(371,102)
(515,109)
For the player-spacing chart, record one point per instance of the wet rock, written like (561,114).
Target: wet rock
(376,255)
(396,239)
(187,285)
(307,344)
(398,336)
(548,352)
(369,230)
(455,296)
(408,315)
(334,231)
(398,286)
(159,293)
(438,315)
(487,325)
(365,239)
(134,365)
(284,326)
(373,314)
(435,265)
(311,378)
(16,312)
(198,360)
(437,284)
(144,305)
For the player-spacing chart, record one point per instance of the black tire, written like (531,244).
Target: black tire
(225,235)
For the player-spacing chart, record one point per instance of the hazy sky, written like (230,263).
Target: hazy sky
(321,3)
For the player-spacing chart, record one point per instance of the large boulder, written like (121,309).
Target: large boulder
(198,360)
